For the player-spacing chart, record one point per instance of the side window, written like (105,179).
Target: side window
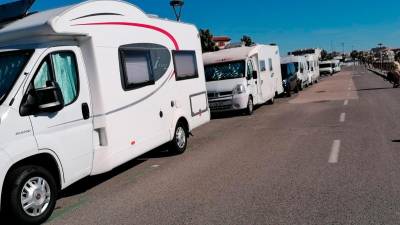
(263,66)
(143,64)
(66,75)
(250,70)
(62,68)
(271,68)
(42,75)
(185,63)
(136,69)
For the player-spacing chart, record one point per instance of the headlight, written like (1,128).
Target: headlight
(240,89)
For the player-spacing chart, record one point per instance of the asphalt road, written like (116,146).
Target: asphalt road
(330,155)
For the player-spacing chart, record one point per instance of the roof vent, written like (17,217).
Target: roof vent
(12,11)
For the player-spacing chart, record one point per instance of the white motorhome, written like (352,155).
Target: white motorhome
(326,67)
(301,68)
(313,68)
(239,78)
(86,88)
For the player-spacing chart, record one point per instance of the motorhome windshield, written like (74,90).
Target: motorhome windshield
(296,66)
(11,65)
(225,71)
(288,70)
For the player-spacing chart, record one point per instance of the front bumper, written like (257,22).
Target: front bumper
(231,103)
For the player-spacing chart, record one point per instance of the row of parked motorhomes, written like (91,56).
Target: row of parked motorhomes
(88,87)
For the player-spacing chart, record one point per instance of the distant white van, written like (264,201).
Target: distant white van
(326,68)
(301,68)
(86,88)
(239,78)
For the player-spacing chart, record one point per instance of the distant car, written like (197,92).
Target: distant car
(290,80)
(326,68)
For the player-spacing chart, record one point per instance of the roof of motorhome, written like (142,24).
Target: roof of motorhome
(231,54)
(60,21)
(292,58)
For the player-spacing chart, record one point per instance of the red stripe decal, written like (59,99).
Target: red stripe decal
(166,33)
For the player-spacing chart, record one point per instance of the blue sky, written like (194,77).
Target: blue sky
(292,24)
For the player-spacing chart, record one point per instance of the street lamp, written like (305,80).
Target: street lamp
(177,6)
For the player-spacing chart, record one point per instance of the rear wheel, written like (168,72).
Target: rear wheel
(179,142)
(289,91)
(31,195)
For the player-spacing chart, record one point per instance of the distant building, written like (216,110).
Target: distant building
(222,41)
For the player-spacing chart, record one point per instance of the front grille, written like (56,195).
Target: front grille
(213,95)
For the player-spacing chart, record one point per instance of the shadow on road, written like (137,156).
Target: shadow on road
(93,181)
(396,141)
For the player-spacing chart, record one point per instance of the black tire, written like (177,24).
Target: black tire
(250,106)
(296,90)
(15,183)
(301,87)
(289,92)
(179,142)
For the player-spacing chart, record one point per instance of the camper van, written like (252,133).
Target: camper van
(240,78)
(300,64)
(313,68)
(86,88)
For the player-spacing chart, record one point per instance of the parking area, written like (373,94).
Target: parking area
(325,156)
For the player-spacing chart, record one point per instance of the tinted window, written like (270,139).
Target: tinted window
(185,65)
(271,68)
(11,66)
(250,70)
(263,66)
(143,64)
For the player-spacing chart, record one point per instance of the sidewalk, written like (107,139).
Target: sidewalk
(379,72)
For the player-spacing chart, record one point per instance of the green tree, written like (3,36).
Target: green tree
(354,54)
(207,43)
(247,40)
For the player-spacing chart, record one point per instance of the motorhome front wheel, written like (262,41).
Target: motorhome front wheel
(32,195)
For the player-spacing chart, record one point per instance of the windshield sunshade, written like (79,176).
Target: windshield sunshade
(225,71)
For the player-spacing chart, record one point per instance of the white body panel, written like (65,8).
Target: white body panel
(265,60)
(123,124)
(313,67)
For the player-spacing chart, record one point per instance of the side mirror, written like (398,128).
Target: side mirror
(255,75)
(48,99)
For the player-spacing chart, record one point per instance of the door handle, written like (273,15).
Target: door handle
(85,111)
(161,114)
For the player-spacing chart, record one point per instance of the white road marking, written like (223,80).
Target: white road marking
(155,166)
(342,117)
(334,157)
(346,102)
